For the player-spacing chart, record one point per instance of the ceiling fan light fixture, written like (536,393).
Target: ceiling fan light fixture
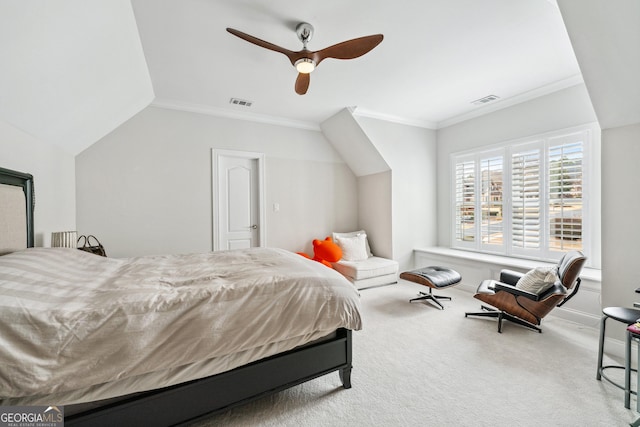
(305,65)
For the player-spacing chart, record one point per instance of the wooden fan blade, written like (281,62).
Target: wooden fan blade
(259,42)
(302,83)
(349,49)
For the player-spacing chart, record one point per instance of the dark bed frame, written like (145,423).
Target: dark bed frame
(200,398)
(196,399)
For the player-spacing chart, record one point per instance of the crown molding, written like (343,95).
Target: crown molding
(513,100)
(427,124)
(231,114)
(359,112)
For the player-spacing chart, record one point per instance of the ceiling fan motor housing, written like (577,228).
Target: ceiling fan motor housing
(304,30)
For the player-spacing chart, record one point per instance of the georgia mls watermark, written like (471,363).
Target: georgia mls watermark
(31,416)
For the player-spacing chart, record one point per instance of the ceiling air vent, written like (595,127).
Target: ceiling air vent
(241,102)
(485,100)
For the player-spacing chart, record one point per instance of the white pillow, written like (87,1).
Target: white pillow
(538,280)
(353,248)
(352,234)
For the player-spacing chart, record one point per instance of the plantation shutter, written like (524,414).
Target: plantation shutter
(465,201)
(525,199)
(491,200)
(565,196)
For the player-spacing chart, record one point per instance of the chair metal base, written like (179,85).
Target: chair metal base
(626,316)
(628,392)
(500,315)
(431,297)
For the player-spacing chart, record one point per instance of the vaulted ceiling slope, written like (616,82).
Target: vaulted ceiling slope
(606,38)
(74,70)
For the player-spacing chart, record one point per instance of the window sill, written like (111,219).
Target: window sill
(592,274)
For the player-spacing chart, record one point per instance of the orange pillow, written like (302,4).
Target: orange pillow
(326,250)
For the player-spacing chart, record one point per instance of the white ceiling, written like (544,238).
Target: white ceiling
(73,71)
(606,39)
(436,58)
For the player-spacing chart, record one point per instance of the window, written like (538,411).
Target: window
(523,198)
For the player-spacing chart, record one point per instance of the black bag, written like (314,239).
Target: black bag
(96,249)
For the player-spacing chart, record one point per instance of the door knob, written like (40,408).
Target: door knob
(254,226)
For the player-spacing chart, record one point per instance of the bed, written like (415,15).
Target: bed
(161,340)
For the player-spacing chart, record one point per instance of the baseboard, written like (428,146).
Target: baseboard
(580,317)
(615,348)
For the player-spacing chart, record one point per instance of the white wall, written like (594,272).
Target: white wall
(620,207)
(316,196)
(146,187)
(53,173)
(620,232)
(410,152)
(375,212)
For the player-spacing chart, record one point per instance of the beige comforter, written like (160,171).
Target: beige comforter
(70,319)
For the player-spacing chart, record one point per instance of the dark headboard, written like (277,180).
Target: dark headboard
(25,181)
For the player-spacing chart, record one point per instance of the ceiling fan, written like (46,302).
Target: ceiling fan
(305,60)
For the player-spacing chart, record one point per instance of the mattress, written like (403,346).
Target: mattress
(76,327)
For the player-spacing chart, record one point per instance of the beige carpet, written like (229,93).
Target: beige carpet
(415,365)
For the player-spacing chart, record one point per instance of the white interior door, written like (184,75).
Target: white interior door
(238,217)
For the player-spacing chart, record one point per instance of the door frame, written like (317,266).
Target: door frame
(216,155)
